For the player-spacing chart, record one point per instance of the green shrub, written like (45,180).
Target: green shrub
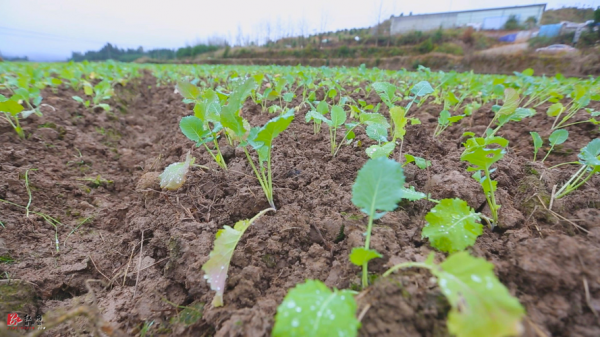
(425,46)
(449,48)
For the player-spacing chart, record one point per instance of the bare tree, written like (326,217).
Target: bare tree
(378,27)
(239,38)
(323,25)
(303,29)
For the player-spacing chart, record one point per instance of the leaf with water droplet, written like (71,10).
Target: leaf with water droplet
(174,175)
(452,225)
(216,267)
(312,309)
(481,305)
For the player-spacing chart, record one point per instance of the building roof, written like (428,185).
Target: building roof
(473,10)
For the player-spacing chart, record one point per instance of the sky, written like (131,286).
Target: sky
(49,30)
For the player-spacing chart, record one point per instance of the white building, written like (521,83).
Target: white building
(492,18)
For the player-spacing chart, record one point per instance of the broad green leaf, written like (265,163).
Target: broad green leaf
(311,309)
(240,93)
(361,255)
(481,305)
(188,90)
(409,193)
(11,107)
(193,128)
(452,226)
(481,157)
(323,108)
(104,106)
(79,99)
(516,116)
(451,98)
(316,116)
(274,127)
(377,132)
(386,91)
(511,102)
(373,118)
(175,174)
(88,89)
(215,269)
(590,154)
(558,137)
(555,110)
(528,72)
(380,151)
(338,116)
(398,116)
(287,97)
(420,162)
(537,142)
(233,121)
(378,186)
(444,117)
(421,89)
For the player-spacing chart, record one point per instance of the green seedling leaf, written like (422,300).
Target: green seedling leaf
(311,309)
(420,162)
(374,118)
(398,116)
(215,269)
(316,116)
(288,97)
(511,102)
(421,89)
(274,127)
(380,151)
(590,154)
(175,174)
(481,305)
(104,106)
(11,107)
(481,157)
(409,193)
(516,116)
(338,116)
(452,226)
(188,90)
(555,110)
(378,186)
(377,132)
(361,255)
(193,128)
(537,143)
(323,108)
(558,137)
(386,91)
(79,99)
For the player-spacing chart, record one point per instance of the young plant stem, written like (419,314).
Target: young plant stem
(265,183)
(548,153)
(575,182)
(342,143)
(406,265)
(491,198)
(365,270)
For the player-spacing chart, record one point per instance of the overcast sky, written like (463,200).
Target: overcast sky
(52,29)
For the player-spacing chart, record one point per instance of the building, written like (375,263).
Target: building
(493,18)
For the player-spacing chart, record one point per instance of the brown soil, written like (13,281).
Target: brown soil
(548,263)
